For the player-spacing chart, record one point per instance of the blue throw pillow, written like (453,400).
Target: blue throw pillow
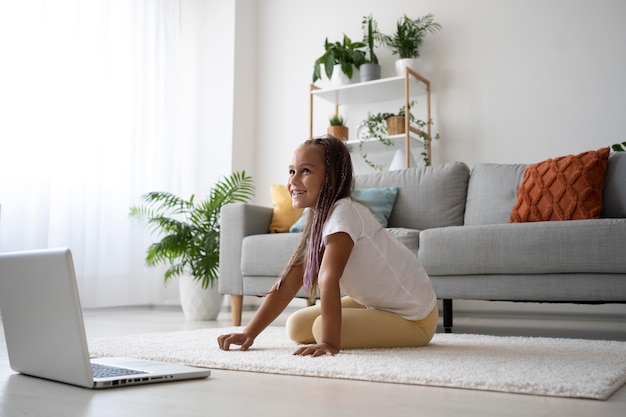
(380,201)
(298,226)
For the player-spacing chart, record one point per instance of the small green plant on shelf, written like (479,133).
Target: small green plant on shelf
(619,147)
(336,120)
(375,127)
(338,127)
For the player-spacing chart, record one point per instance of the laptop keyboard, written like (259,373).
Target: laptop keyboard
(105,371)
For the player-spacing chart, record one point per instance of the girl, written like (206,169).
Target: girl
(390,300)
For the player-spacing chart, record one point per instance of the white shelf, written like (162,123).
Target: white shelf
(370,91)
(386,89)
(374,145)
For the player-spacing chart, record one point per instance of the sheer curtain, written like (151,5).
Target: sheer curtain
(88,96)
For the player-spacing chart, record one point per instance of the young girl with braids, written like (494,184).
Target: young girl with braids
(390,301)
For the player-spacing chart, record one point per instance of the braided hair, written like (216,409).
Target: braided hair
(337,184)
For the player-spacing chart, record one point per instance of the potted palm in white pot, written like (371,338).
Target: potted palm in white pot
(190,240)
(408,38)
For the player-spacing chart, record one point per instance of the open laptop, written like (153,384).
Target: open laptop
(45,333)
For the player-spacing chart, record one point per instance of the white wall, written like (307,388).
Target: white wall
(513,81)
(206,113)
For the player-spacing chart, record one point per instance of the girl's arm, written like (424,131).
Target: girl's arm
(273,304)
(338,249)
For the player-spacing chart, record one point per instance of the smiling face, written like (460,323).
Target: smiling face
(306,175)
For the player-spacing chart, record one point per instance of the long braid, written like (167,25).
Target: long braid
(337,184)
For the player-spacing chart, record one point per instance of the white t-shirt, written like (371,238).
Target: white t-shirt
(381,272)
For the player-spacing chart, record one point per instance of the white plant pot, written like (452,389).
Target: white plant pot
(339,78)
(400,64)
(199,303)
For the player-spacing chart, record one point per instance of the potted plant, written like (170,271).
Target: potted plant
(370,69)
(190,231)
(338,127)
(380,126)
(619,147)
(339,58)
(408,38)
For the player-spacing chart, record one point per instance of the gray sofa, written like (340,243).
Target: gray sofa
(457,223)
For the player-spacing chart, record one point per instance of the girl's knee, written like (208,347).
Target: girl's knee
(299,326)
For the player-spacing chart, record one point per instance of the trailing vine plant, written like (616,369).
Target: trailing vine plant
(375,126)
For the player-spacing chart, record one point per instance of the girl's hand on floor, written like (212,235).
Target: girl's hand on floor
(241,339)
(317,350)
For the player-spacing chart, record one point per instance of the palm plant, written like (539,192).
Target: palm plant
(191,241)
(409,35)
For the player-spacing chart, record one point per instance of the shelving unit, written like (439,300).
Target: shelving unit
(410,85)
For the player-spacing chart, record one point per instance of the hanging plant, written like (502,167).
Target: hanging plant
(375,126)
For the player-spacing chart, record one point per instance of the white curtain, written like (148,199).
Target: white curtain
(88,98)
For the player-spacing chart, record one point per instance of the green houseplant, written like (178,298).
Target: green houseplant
(619,147)
(409,35)
(370,69)
(346,54)
(190,228)
(408,38)
(190,242)
(338,127)
(375,126)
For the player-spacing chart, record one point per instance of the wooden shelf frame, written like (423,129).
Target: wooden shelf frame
(409,85)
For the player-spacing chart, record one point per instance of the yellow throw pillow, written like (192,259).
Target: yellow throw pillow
(284,214)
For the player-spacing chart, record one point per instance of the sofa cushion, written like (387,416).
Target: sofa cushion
(380,201)
(614,193)
(564,188)
(492,192)
(284,214)
(267,255)
(574,247)
(408,237)
(428,197)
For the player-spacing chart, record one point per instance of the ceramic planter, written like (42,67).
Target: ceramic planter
(369,72)
(199,303)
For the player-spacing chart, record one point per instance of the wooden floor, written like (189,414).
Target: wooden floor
(229,393)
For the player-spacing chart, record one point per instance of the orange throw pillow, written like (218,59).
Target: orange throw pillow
(284,215)
(564,188)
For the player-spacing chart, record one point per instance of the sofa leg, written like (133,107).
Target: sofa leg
(236,306)
(447,315)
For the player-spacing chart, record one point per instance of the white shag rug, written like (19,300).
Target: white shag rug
(540,366)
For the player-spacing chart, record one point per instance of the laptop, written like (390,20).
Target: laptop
(45,333)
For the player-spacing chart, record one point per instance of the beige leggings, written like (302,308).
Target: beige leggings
(363,328)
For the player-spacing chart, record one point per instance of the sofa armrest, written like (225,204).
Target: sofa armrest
(236,222)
